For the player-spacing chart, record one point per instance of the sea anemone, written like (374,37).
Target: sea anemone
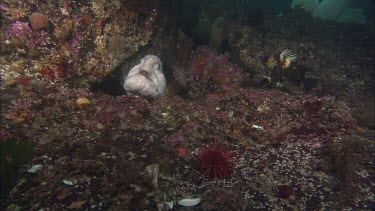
(287,57)
(215,161)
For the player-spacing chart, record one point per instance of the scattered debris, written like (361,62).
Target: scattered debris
(35,168)
(189,202)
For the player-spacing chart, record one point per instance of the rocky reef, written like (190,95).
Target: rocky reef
(71,42)
(102,147)
(221,136)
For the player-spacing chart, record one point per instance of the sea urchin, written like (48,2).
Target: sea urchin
(215,161)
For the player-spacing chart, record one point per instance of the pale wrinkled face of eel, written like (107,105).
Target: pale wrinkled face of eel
(146,79)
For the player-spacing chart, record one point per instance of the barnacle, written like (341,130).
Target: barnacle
(286,57)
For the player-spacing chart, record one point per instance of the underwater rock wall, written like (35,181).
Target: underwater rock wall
(71,42)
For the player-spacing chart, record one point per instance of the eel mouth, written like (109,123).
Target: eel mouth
(145,74)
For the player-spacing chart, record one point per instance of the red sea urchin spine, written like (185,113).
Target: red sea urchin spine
(215,161)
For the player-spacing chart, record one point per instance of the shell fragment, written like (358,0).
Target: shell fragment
(35,168)
(67,182)
(170,204)
(189,202)
(257,127)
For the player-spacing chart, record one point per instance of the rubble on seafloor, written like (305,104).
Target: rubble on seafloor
(289,151)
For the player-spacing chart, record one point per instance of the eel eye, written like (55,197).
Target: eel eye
(156,67)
